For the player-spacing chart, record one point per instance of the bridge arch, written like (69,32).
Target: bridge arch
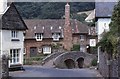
(80,62)
(69,63)
(73,59)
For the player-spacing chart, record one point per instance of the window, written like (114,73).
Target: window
(56,36)
(106,27)
(92,42)
(39,36)
(14,54)
(14,34)
(24,51)
(82,37)
(47,50)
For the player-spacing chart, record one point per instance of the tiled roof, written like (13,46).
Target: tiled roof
(49,26)
(104,9)
(11,19)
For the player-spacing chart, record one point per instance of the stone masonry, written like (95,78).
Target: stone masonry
(59,61)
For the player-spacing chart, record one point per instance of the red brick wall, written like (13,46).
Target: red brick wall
(38,44)
(76,39)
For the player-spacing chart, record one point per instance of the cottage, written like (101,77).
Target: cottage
(12,34)
(46,35)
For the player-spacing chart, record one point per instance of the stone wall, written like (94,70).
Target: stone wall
(104,66)
(114,68)
(50,57)
(5,68)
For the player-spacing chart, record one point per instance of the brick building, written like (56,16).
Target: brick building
(48,35)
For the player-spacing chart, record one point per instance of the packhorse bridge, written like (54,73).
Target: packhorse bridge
(69,60)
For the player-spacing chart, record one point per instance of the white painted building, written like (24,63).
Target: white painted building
(12,34)
(103,18)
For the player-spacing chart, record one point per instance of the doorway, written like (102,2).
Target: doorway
(33,51)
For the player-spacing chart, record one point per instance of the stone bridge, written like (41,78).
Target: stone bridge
(71,60)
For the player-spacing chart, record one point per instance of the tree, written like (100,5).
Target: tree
(50,10)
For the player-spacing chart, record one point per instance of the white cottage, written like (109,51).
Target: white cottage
(12,34)
(103,18)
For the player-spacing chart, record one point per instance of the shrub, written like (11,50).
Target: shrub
(31,60)
(94,62)
(93,50)
(76,47)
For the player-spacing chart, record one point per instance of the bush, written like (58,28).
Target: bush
(94,62)
(32,60)
(56,45)
(93,50)
(76,47)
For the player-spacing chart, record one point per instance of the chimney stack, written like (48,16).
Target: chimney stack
(67,14)
(67,29)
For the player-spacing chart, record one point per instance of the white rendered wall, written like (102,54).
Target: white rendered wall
(7,44)
(101,26)
(3,6)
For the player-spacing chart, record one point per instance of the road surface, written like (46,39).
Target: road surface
(38,71)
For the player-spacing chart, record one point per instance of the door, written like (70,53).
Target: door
(15,56)
(33,51)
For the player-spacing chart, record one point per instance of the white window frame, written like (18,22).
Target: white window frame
(92,42)
(46,50)
(56,36)
(82,37)
(24,51)
(15,56)
(39,36)
(14,34)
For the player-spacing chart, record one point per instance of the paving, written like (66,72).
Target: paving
(39,71)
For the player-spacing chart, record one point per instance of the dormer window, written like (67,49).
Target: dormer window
(14,34)
(56,36)
(39,36)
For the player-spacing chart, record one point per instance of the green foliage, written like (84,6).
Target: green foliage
(76,47)
(56,45)
(50,10)
(91,24)
(79,17)
(94,62)
(109,42)
(93,50)
(32,60)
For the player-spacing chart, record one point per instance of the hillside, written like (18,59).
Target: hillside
(48,10)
